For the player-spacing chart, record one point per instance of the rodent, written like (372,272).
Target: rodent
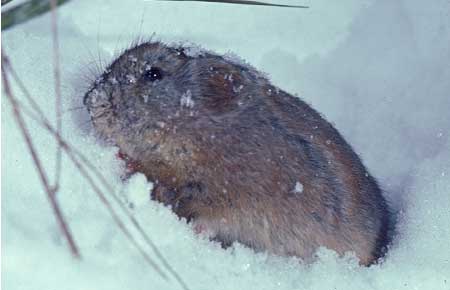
(240,158)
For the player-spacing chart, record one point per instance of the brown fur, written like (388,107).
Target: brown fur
(229,160)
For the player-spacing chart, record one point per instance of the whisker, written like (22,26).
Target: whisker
(93,66)
(86,125)
(102,66)
(75,108)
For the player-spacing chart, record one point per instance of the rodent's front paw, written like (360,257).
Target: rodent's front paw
(164,194)
(202,228)
(181,199)
(210,228)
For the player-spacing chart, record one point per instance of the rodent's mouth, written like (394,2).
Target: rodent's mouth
(98,105)
(98,102)
(100,111)
(102,119)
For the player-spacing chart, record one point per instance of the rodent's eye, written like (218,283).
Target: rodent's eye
(153,74)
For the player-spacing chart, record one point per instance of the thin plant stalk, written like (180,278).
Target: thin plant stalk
(242,2)
(80,161)
(57,79)
(26,11)
(37,162)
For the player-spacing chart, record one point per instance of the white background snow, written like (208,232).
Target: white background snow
(379,70)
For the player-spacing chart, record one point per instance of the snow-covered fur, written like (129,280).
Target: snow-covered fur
(241,158)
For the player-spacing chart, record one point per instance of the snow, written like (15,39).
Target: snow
(298,187)
(377,69)
(186,100)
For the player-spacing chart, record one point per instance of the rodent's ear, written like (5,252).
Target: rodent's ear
(223,85)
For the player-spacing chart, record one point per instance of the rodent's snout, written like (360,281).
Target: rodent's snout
(97,102)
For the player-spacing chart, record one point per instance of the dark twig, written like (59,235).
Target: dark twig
(5,2)
(57,78)
(25,12)
(244,2)
(80,161)
(34,105)
(111,210)
(43,177)
(133,220)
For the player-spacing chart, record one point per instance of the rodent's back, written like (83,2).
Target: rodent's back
(243,159)
(278,177)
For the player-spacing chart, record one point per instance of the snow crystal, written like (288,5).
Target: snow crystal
(132,58)
(186,100)
(98,80)
(238,89)
(137,191)
(228,77)
(194,50)
(161,124)
(113,80)
(298,187)
(236,59)
(131,79)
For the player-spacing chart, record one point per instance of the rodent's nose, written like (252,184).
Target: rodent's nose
(95,97)
(85,99)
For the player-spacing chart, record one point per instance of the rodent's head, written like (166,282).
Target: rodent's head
(153,86)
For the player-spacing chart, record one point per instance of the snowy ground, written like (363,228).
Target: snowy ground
(379,70)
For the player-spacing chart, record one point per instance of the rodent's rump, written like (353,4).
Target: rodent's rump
(237,156)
